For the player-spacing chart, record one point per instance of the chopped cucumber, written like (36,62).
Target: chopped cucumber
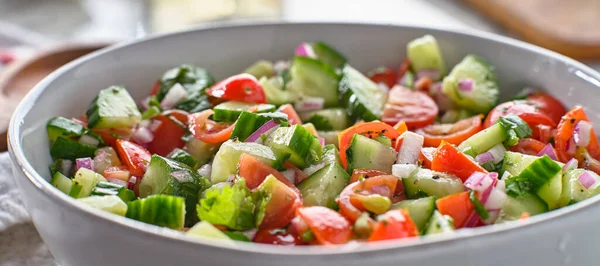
(249,122)
(228,156)
(573,191)
(408,80)
(331,155)
(194,79)
(328,55)
(424,54)
(425,182)
(205,229)
(361,97)
(104,188)
(311,128)
(327,119)
(262,68)
(322,187)
(84,181)
(161,210)
(201,151)
(61,182)
(274,90)
(311,77)
(439,224)
(383,140)
(455,115)
(365,153)
(113,108)
(182,156)
(160,172)
(63,127)
(61,165)
(230,111)
(484,140)
(420,210)
(297,143)
(112,204)
(331,137)
(514,207)
(63,148)
(483,95)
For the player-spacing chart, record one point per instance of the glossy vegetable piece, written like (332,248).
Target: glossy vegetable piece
(415,108)
(280,203)
(328,226)
(369,129)
(168,135)
(293,117)
(361,97)
(383,75)
(113,107)
(278,237)
(387,183)
(548,105)
(230,206)
(255,171)
(458,206)
(451,133)
(526,110)
(528,146)
(394,224)
(565,135)
(448,159)
(208,130)
(134,156)
(242,87)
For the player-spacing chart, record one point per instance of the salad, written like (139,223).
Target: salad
(311,151)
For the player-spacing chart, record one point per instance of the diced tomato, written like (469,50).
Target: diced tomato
(369,129)
(282,203)
(458,206)
(328,226)
(364,187)
(242,87)
(423,84)
(526,110)
(134,156)
(548,105)
(255,171)
(403,68)
(401,127)
(452,133)
(117,172)
(565,131)
(365,173)
(586,161)
(276,237)
(426,156)
(208,130)
(168,135)
(299,175)
(111,135)
(293,117)
(543,133)
(394,224)
(415,108)
(383,75)
(155,88)
(449,159)
(528,146)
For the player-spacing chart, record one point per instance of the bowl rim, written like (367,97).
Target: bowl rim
(174,237)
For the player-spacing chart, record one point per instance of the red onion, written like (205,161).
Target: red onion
(118,181)
(410,150)
(304,49)
(143,135)
(290,175)
(383,87)
(154,125)
(205,170)
(587,179)
(548,150)
(120,174)
(85,163)
(405,170)
(492,216)
(309,104)
(230,178)
(250,233)
(298,226)
(495,199)
(266,129)
(281,65)
(322,141)
(181,176)
(571,146)
(466,84)
(473,219)
(582,133)
(89,140)
(484,157)
(498,152)
(433,74)
(313,169)
(145,103)
(175,94)
(570,165)
(381,190)
(132,182)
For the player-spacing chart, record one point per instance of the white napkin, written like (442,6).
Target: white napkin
(20,244)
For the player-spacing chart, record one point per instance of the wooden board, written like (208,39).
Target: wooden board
(570,27)
(20,76)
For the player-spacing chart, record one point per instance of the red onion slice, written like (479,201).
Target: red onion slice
(571,146)
(118,181)
(484,157)
(176,94)
(582,133)
(313,169)
(290,175)
(205,170)
(309,104)
(266,129)
(304,49)
(381,190)
(182,176)
(132,182)
(588,179)
(473,219)
(85,163)
(322,141)
(466,84)
(570,165)
(143,135)
(548,150)
(410,150)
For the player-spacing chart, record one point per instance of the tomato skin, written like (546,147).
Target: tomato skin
(394,224)
(299,175)
(293,117)
(383,75)
(415,108)
(403,68)
(452,133)
(458,206)
(134,156)
(351,212)
(365,173)
(548,105)
(276,237)
(526,110)
(328,226)
(424,84)
(565,132)
(168,135)
(370,129)
(543,133)
(282,205)
(528,146)
(110,136)
(255,171)
(155,88)
(242,87)
(426,156)
(207,130)
(449,159)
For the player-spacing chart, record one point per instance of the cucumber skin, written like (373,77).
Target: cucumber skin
(248,123)
(327,119)
(311,77)
(61,182)
(322,187)
(420,210)
(484,140)
(296,142)
(356,92)
(112,204)
(424,54)
(329,55)
(161,210)
(261,68)
(230,111)
(422,181)
(228,156)
(63,148)
(439,224)
(513,208)
(182,156)
(378,157)
(192,78)
(63,127)
(113,107)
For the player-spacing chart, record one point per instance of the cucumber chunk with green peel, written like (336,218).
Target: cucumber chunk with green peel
(63,127)
(249,122)
(322,187)
(420,210)
(183,157)
(161,210)
(424,182)
(63,148)
(201,151)
(439,224)
(113,108)
(311,77)
(366,153)
(514,207)
(274,88)
(328,54)
(261,68)
(194,79)
(331,154)
(455,115)
(296,144)
(110,189)
(361,97)
(61,182)
(230,111)
(472,85)
(424,54)
(112,204)
(84,182)
(483,140)
(327,119)
(227,158)
(311,129)
(572,189)
(205,229)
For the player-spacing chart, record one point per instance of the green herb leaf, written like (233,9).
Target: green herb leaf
(479,208)
(229,206)
(320,122)
(515,127)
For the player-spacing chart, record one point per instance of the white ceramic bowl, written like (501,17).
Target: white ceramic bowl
(79,235)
